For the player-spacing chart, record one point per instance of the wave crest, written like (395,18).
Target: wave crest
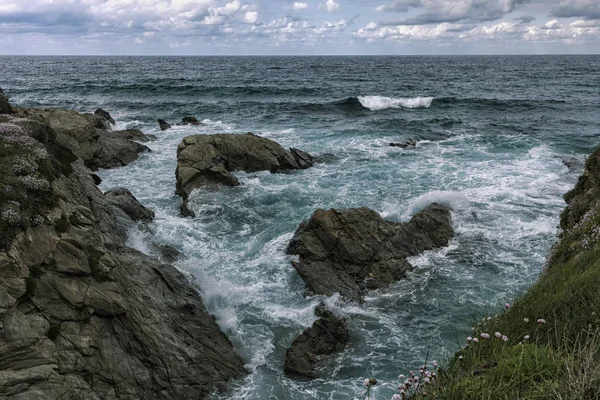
(375,103)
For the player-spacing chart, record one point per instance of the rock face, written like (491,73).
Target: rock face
(104,114)
(190,120)
(82,316)
(5,107)
(348,251)
(204,160)
(164,125)
(327,335)
(88,136)
(126,201)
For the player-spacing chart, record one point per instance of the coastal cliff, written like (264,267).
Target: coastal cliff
(82,316)
(546,345)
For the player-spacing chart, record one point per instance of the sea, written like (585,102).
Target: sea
(500,139)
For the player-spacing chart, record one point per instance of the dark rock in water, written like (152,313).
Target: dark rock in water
(410,143)
(96,178)
(5,107)
(325,158)
(169,253)
(126,201)
(204,160)
(349,251)
(185,210)
(135,134)
(327,335)
(164,125)
(82,316)
(104,114)
(189,120)
(572,163)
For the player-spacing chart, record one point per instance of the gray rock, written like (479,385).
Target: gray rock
(82,316)
(204,160)
(104,114)
(190,120)
(5,107)
(164,125)
(404,145)
(135,134)
(349,251)
(126,201)
(327,335)
(169,253)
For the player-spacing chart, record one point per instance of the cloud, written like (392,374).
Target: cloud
(439,11)
(251,17)
(587,9)
(299,6)
(524,19)
(332,6)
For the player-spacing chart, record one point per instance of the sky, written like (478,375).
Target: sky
(303,27)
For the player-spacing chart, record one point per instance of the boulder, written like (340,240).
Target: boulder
(204,160)
(164,125)
(409,143)
(189,120)
(327,335)
(135,134)
(88,137)
(169,253)
(351,250)
(5,107)
(126,201)
(104,114)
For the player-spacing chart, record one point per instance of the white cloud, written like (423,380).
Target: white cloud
(299,6)
(251,17)
(332,6)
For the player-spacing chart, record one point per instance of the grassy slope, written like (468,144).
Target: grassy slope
(560,360)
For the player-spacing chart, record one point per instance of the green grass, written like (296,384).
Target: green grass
(561,358)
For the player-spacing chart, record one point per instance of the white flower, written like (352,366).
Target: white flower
(505,338)
(460,357)
(435,364)
(526,337)
(475,340)
(526,319)
(469,339)
(426,380)
(507,306)
(485,335)
(489,318)
(401,376)
(366,382)
(498,335)
(541,321)
(396,397)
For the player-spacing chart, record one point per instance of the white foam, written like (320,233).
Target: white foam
(376,103)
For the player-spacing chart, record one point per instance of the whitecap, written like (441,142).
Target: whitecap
(375,103)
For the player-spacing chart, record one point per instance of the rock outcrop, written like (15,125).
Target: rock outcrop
(88,136)
(349,251)
(190,120)
(5,107)
(164,125)
(327,335)
(204,160)
(82,316)
(104,114)
(126,201)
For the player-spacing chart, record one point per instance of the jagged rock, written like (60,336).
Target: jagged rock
(88,137)
(189,120)
(204,160)
(126,201)
(169,253)
(327,335)
(410,143)
(5,107)
(135,134)
(104,114)
(82,316)
(348,251)
(164,125)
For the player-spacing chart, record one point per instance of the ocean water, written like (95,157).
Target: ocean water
(500,140)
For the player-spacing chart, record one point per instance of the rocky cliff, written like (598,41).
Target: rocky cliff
(82,316)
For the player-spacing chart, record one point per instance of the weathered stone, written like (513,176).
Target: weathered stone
(126,201)
(327,335)
(348,251)
(135,134)
(209,159)
(164,125)
(190,120)
(5,107)
(104,114)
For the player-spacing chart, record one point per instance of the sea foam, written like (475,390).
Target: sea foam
(376,103)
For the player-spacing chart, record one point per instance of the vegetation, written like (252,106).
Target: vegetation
(547,344)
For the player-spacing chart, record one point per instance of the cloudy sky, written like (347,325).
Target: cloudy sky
(299,27)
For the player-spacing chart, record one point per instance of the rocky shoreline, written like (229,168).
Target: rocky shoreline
(84,316)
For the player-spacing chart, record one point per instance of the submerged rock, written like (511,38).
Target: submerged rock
(327,335)
(82,316)
(204,160)
(190,120)
(104,114)
(349,251)
(5,107)
(126,201)
(409,143)
(164,125)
